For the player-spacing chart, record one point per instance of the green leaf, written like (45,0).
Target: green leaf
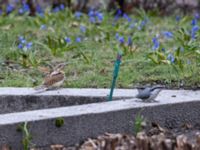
(152,58)
(160,55)
(198,52)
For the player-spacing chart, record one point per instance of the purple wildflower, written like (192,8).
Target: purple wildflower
(62,6)
(130,42)
(29,45)
(78,39)
(178,18)
(82,28)
(56,9)
(43,27)
(78,14)
(117,36)
(9,8)
(99,16)
(92,19)
(125,16)
(194,30)
(67,40)
(171,57)
(168,34)
(39,10)
(121,40)
(197,16)
(20,46)
(194,22)
(156,43)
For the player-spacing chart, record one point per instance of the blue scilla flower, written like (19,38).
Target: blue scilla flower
(21,11)
(29,45)
(95,16)
(78,39)
(130,41)
(168,34)
(67,40)
(20,46)
(99,16)
(118,15)
(178,18)
(92,19)
(56,9)
(23,44)
(39,9)
(163,49)
(194,22)
(1,12)
(194,30)
(26,7)
(43,27)
(62,6)
(23,41)
(132,25)
(188,62)
(82,28)
(171,58)
(20,38)
(125,16)
(197,16)
(119,12)
(117,36)
(78,14)
(9,8)
(91,13)
(121,40)
(142,24)
(156,43)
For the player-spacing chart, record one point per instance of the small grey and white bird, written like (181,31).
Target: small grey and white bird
(54,79)
(148,94)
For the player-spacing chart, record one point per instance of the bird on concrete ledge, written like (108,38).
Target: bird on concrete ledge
(148,94)
(54,79)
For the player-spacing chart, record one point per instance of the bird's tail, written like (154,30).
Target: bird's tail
(157,87)
(40,88)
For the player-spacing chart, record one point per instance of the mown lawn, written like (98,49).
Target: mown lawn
(171,59)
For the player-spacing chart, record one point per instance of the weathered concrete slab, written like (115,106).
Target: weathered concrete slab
(23,99)
(90,120)
(68,92)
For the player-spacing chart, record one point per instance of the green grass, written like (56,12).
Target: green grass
(92,60)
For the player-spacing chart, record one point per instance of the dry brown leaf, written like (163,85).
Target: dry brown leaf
(5,147)
(57,147)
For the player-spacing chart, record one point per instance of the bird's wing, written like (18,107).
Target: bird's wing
(144,94)
(53,78)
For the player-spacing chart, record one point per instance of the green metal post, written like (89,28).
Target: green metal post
(115,74)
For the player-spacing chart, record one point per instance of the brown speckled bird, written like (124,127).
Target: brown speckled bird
(54,79)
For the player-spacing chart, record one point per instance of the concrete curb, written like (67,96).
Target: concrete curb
(24,99)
